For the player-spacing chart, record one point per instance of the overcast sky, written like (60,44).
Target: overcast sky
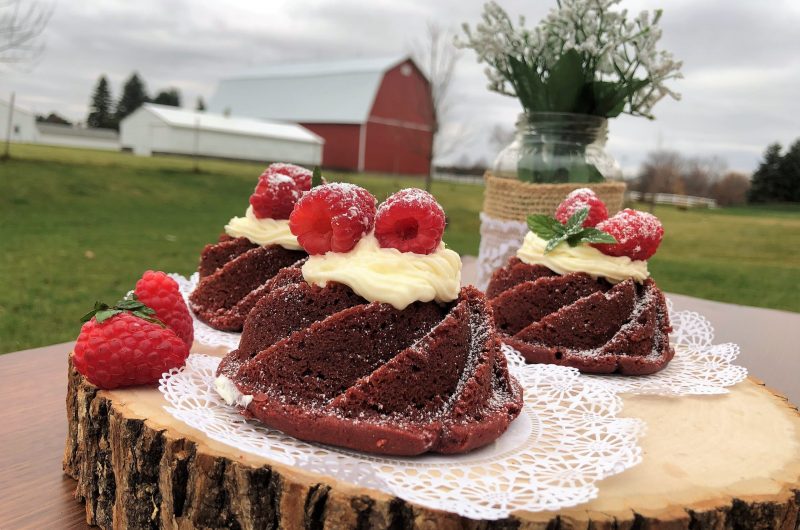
(741,61)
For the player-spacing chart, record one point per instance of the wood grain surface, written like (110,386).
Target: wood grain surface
(34,492)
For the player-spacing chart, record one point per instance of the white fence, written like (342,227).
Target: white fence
(476,180)
(685,201)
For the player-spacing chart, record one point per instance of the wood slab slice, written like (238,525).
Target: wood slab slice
(714,462)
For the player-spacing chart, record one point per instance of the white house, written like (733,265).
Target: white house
(23,124)
(158,129)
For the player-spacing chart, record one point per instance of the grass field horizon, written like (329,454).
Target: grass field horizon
(78,226)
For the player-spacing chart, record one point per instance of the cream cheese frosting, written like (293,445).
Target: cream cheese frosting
(229,393)
(262,231)
(388,275)
(565,259)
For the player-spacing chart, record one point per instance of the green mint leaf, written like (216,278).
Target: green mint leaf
(590,235)
(576,220)
(553,243)
(545,226)
(316,177)
(105,314)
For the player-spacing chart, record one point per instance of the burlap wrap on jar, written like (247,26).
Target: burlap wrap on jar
(508,202)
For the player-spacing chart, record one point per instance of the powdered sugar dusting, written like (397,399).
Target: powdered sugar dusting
(579,199)
(412,197)
(288,169)
(277,178)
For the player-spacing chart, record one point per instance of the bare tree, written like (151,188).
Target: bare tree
(21,27)
(701,173)
(437,56)
(661,172)
(731,189)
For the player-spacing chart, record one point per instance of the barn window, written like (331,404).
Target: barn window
(405,70)
(16,129)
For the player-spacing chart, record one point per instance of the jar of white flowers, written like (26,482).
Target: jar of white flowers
(583,64)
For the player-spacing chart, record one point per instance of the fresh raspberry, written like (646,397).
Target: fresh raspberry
(159,292)
(411,221)
(332,217)
(275,196)
(126,350)
(579,199)
(300,175)
(638,234)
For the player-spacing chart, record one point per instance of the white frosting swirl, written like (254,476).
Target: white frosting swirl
(581,258)
(229,393)
(388,275)
(262,231)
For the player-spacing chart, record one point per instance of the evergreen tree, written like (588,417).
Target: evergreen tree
(100,115)
(169,97)
(201,105)
(134,95)
(789,185)
(765,183)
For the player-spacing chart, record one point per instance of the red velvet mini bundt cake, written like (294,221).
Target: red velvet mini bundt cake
(373,348)
(574,320)
(235,272)
(224,297)
(381,380)
(563,301)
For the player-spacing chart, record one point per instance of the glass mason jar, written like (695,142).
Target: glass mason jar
(558,147)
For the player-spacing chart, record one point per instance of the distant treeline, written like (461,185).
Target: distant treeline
(105,113)
(777,178)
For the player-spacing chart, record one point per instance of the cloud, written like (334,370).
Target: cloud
(741,61)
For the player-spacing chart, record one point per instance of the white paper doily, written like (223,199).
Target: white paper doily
(567,438)
(698,368)
(203,333)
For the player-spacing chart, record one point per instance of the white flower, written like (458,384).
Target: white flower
(612,48)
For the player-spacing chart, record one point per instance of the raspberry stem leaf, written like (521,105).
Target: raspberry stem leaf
(131,304)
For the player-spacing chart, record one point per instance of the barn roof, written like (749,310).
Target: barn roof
(209,121)
(324,92)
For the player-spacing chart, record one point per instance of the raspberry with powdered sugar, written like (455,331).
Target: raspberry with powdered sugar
(638,234)
(275,196)
(333,217)
(300,175)
(579,199)
(411,221)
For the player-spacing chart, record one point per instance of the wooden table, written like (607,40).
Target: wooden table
(34,492)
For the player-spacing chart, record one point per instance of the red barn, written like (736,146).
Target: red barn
(375,114)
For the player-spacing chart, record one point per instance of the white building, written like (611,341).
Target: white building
(72,136)
(25,129)
(23,124)
(157,129)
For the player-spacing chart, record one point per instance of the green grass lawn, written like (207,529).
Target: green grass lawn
(79,225)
